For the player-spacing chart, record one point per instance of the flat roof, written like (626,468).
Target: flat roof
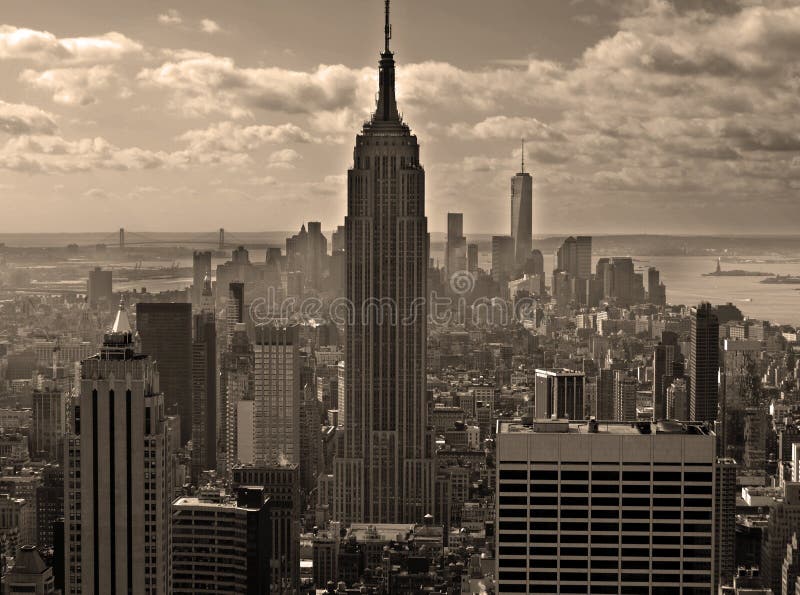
(561,426)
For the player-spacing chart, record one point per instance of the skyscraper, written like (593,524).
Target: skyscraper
(625,387)
(456,247)
(47,412)
(472,258)
(204,385)
(559,393)
(386,473)
(704,364)
(276,387)
(98,287)
(583,249)
(237,372)
(117,474)
(201,268)
(663,358)
(567,257)
(605,507)
(282,483)
(221,544)
(165,334)
(522,213)
(502,258)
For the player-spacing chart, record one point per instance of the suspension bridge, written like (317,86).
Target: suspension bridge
(219,239)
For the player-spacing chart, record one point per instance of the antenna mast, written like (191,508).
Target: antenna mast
(387,30)
(523,150)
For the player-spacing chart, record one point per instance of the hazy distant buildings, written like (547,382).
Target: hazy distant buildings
(502,258)
(534,265)
(656,291)
(201,268)
(306,253)
(99,289)
(704,364)
(337,239)
(386,471)
(117,474)
(165,334)
(456,246)
(574,256)
(472,258)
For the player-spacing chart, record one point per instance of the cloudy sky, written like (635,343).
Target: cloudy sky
(640,115)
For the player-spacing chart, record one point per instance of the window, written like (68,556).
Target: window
(636,476)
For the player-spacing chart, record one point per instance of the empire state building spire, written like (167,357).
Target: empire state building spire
(386,110)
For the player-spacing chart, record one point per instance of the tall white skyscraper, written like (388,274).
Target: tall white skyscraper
(117,476)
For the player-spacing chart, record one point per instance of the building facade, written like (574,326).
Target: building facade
(605,508)
(117,474)
(386,471)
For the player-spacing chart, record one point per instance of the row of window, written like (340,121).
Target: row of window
(583,526)
(627,564)
(604,589)
(539,552)
(606,475)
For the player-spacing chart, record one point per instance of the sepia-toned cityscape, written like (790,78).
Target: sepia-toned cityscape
(536,334)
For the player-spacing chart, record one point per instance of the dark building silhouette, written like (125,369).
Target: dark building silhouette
(49,505)
(282,485)
(204,385)
(663,363)
(98,287)
(221,544)
(704,364)
(165,334)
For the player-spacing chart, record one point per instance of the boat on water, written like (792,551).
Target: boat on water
(783,280)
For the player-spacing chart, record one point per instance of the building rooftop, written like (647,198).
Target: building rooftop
(562,426)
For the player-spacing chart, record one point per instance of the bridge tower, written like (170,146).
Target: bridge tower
(121,238)
(221,238)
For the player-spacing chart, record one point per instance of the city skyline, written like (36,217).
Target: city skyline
(627,108)
(361,404)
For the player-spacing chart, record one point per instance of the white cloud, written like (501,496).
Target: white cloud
(72,86)
(230,137)
(505,127)
(204,84)
(283,159)
(171,17)
(43,46)
(209,26)
(20,118)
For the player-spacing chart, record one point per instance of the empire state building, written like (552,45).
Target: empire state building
(385,473)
